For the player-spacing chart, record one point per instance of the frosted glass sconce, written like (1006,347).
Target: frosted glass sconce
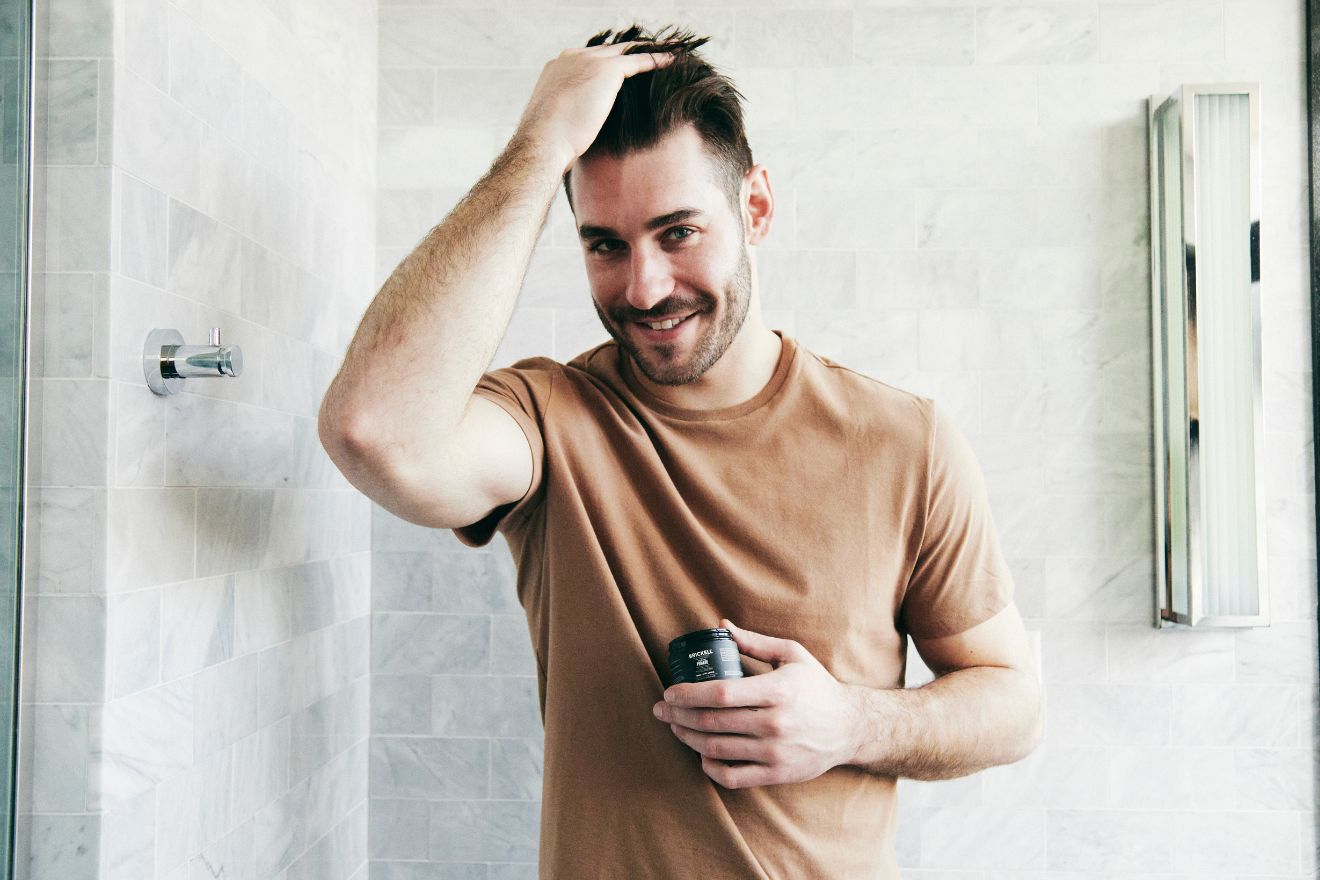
(1210,549)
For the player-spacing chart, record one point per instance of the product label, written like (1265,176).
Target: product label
(718,661)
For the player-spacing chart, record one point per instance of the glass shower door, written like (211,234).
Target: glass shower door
(15,85)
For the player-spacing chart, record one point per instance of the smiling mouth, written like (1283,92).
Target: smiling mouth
(664,324)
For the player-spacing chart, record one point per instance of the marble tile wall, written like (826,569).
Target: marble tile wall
(196,646)
(961,211)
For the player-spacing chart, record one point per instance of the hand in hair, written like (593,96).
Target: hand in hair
(574,94)
(670,39)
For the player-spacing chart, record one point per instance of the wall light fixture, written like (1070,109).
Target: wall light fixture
(1210,549)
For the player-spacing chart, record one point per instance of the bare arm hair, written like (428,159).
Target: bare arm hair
(391,418)
(400,420)
(982,710)
(962,722)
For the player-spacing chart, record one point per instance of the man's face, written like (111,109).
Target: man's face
(661,240)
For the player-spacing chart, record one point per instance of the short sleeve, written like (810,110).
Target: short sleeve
(524,391)
(960,577)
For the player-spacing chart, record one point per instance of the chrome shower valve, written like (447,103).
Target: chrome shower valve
(166,361)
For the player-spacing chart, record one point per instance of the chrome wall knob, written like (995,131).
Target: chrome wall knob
(166,361)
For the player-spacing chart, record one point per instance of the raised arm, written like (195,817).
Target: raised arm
(400,419)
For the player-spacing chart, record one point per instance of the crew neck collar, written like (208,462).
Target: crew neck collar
(787,359)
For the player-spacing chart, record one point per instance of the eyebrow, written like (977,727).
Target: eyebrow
(654,223)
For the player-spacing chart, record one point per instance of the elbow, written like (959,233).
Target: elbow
(345,436)
(1024,728)
(356,451)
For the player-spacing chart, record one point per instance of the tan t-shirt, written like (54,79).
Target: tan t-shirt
(830,508)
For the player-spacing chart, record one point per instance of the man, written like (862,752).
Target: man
(712,472)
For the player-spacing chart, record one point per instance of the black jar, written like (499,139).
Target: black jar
(704,655)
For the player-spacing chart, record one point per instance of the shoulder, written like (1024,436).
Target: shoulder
(895,413)
(537,381)
(595,371)
(598,358)
(529,382)
(537,364)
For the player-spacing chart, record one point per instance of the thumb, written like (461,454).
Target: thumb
(762,647)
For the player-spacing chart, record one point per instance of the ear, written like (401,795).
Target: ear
(758,204)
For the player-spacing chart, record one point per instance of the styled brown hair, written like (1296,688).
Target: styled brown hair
(650,105)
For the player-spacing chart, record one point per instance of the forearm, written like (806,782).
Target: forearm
(433,328)
(961,722)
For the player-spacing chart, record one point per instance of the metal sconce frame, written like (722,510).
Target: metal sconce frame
(1210,540)
(1313,188)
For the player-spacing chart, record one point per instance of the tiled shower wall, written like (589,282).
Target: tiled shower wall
(196,646)
(960,211)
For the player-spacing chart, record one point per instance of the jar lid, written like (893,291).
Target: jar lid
(701,635)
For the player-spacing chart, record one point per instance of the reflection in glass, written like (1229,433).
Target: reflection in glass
(1205,259)
(15,65)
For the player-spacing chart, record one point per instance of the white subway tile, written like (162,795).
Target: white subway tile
(478,98)
(854,218)
(1074,651)
(967,218)
(976,339)
(150,538)
(984,837)
(769,97)
(63,341)
(203,258)
(1046,33)
(1138,652)
(166,138)
(917,36)
(61,747)
(73,417)
(1107,715)
(1246,842)
(142,40)
(1030,156)
(134,652)
(146,738)
(1092,587)
(961,98)
(203,77)
(1239,715)
(76,221)
(68,110)
(1050,777)
(1140,31)
(192,810)
(197,626)
(791,38)
(130,838)
(576,331)
(846,98)
(1107,840)
(1095,96)
(909,279)
(141,227)
(434,156)
(877,344)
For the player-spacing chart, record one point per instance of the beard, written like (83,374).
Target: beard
(663,364)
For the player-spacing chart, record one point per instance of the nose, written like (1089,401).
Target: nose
(650,279)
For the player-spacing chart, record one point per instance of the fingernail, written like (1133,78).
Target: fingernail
(669,696)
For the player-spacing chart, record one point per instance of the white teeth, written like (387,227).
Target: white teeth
(665,325)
